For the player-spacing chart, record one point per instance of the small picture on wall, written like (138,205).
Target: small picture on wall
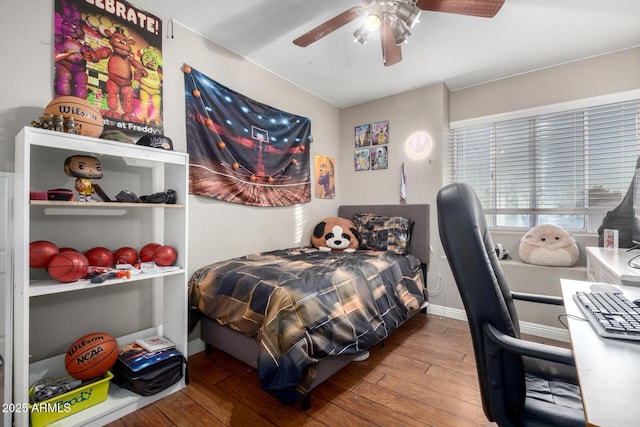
(379,158)
(361,159)
(380,132)
(325,185)
(363,135)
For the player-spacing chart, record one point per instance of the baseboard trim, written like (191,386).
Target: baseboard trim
(544,331)
(195,346)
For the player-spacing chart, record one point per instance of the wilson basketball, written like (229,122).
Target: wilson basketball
(165,255)
(41,252)
(125,255)
(99,257)
(87,116)
(68,267)
(91,356)
(146,253)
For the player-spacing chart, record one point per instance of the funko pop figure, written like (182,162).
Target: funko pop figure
(84,169)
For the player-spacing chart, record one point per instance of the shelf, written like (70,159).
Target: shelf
(49,287)
(89,205)
(77,143)
(119,401)
(148,303)
(57,207)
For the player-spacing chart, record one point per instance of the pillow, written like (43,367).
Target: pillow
(550,245)
(383,232)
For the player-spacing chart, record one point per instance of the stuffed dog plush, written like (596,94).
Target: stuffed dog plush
(550,245)
(336,234)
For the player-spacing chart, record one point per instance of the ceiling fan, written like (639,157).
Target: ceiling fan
(394,18)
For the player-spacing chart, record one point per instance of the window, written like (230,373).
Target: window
(567,168)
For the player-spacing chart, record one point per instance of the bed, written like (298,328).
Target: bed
(299,315)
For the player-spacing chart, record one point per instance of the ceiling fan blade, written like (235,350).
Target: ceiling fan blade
(328,27)
(481,8)
(391,52)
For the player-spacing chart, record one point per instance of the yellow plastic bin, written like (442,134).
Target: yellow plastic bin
(58,407)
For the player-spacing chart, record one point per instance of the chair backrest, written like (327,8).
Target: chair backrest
(484,291)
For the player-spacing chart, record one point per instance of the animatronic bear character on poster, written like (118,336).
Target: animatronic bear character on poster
(110,54)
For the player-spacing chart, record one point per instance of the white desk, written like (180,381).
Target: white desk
(608,369)
(612,266)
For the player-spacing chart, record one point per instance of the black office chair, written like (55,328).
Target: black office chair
(522,383)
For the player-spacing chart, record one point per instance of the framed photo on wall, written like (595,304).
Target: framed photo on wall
(379,158)
(361,159)
(362,135)
(380,132)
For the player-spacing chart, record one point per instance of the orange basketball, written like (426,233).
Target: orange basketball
(99,257)
(87,116)
(146,253)
(165,255)
(125,255)
(41,252)
(91,356)
(68,267)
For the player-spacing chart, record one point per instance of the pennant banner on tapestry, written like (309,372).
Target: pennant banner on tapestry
(242,151)
(110,53)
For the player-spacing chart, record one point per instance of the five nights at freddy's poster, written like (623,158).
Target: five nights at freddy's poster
(110,53)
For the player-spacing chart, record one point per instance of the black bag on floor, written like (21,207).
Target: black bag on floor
(147,373)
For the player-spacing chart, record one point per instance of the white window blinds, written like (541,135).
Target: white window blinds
(565,168)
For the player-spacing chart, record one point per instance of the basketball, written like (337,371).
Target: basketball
(41,252)
(91,356)
(66,249)
(125,255)
(87,117)
(165,255)
(99,257)
(68,267)
(146,253)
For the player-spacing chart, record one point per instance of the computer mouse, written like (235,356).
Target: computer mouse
(605,287)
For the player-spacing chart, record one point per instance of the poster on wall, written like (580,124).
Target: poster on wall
(361,159)
(325,184)
(379,158)
(380,132)
(362,135)
(243,151)
(110,53)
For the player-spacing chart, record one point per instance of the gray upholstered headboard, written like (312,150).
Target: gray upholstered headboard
(419,244)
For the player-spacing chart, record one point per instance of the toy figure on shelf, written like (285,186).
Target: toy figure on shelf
(84,169)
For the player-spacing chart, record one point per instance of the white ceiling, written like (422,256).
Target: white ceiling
(461,51)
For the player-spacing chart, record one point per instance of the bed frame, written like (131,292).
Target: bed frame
(245,348)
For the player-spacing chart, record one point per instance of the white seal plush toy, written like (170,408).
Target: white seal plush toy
(550,245)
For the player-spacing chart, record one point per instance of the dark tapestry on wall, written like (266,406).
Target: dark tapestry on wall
(242,151)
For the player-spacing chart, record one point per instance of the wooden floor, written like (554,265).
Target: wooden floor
(423,376)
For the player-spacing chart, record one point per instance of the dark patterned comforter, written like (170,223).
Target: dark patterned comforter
(303,305)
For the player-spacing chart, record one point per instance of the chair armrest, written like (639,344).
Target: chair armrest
(529,348)
(544,299)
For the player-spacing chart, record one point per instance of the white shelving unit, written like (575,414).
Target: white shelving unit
(49,316)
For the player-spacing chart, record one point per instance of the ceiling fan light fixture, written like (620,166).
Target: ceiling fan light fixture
(372,22)
(409,13)
(362,34)
(400,32)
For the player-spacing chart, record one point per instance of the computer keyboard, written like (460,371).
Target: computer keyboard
(611,314)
